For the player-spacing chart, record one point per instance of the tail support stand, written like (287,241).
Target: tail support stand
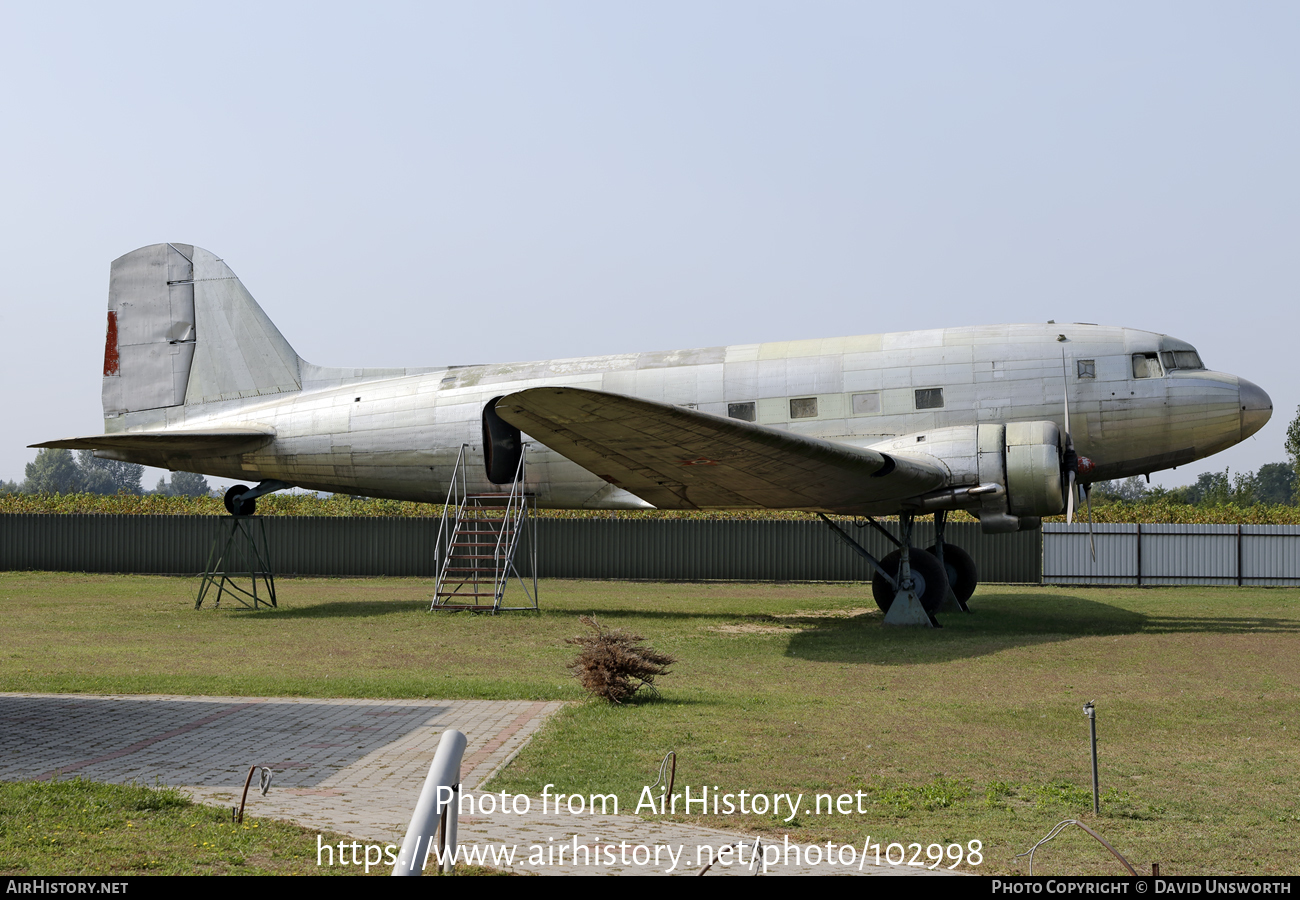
(239,553)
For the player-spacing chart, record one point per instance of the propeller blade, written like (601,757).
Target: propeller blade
(1065,384)
(1070,460)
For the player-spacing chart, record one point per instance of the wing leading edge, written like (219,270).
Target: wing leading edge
(679,458)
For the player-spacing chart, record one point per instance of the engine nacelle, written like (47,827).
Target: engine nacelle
(1009,475)
(502,446)
(1026,459)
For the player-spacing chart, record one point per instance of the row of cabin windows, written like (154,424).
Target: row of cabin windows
(1145,365)
(863,405)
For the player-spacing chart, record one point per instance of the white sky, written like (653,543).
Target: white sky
(422,184)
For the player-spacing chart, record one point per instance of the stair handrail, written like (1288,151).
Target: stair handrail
(510,522)
(455,499)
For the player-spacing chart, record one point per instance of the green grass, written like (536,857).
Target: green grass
(85,828)
(973,732)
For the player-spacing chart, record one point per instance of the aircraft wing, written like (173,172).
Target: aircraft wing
(679,458)
(179,441)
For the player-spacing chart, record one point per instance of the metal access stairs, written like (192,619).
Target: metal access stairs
(479,544)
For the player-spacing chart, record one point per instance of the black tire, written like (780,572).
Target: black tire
(502,445)
(931,583)
(961,570)
(247,508)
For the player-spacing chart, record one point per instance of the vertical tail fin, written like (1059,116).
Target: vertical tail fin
(183,330)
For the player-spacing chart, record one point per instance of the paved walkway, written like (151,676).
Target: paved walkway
(356,767)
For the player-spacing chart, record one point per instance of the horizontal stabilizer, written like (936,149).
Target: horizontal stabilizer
(190,443)
(679,458)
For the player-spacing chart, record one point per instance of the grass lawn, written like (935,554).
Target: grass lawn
(973,732)
(83,828)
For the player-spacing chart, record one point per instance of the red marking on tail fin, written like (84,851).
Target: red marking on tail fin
(110,345)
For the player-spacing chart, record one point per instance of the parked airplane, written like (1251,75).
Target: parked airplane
(997,420)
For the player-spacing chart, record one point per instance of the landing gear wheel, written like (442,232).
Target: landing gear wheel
(931,583)
(961,570)
(246,508)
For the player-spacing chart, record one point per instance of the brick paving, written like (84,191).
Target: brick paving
(349,766)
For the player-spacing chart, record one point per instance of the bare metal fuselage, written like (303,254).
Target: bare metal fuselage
(398,437)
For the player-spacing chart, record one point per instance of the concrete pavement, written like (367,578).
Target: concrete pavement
(356,767)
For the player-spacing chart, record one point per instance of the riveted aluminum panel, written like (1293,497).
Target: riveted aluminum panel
(151,308)
(240,352)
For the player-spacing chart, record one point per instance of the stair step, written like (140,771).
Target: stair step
(485,534)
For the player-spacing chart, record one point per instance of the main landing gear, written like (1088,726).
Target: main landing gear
(910,584)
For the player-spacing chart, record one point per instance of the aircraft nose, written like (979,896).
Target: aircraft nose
(1256,407)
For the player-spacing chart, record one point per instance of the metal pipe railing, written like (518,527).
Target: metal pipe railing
(438,805)
(455,500)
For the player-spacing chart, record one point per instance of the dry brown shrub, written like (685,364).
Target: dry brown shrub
(611,660)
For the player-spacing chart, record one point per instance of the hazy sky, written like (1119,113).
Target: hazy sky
(451,183)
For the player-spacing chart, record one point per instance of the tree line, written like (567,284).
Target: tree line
(1274,483)
(60,472)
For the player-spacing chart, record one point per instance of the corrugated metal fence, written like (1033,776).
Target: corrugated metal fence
(651,549)
(1173,554)
(666,549)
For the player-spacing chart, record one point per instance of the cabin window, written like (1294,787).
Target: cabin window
(1087,368)
(746,412)
(803,408)
(1146,365)
(929,398)
(866,404)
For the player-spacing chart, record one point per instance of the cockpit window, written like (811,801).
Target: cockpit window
(1181,359)
(1146,365)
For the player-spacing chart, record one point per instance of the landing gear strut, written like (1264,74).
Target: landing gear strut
(902,588)
(910,584)
(957,564)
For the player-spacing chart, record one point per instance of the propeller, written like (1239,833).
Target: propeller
(1070,461)
(1073,464)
